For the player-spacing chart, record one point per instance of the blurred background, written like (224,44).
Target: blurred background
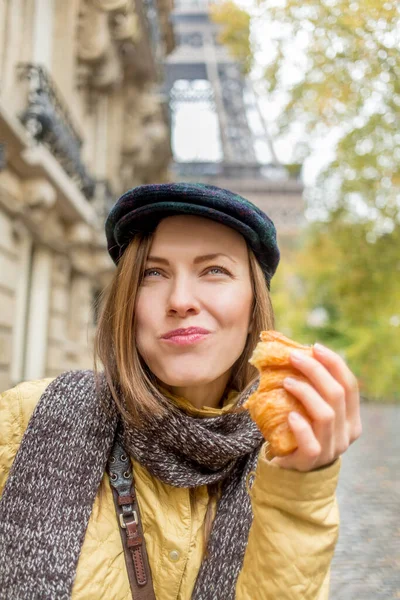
(294,105)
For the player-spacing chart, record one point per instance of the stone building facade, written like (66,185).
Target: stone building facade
(81,120)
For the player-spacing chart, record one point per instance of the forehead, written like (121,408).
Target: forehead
(194,234)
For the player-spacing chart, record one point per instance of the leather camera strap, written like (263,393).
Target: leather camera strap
(130,526)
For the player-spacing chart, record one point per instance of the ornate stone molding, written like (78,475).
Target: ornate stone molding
(39,194)
(94,37)
(126,27)
(11,196)
(146,143)
(39,198)
(106,31)
(93,263)
(109,72)
(33,208)
(87,251)
(80,234)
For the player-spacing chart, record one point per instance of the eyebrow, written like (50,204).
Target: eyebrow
(197,260)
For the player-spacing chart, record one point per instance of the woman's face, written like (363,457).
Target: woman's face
(197,275)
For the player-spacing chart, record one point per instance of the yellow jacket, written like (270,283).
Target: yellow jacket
(290,544)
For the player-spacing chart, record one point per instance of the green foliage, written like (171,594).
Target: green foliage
(234,32)
(357,283)
(348,265)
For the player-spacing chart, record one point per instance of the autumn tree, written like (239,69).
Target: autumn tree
(349,264)
(350,81)
(234,32)
(340,290)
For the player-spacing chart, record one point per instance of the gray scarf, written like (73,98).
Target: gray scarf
(55,476)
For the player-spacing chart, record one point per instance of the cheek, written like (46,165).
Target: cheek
(145,311)
(233,316)
(233,308)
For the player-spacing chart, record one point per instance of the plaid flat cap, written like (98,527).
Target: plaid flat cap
(140,209)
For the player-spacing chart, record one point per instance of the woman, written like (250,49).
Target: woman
(220,520)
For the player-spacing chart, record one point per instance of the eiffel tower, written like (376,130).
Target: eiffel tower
(198,56)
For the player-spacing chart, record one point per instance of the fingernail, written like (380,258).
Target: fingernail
(321,349)
(297,356)
(289,381)
(293,416)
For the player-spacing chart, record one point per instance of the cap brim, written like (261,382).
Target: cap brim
(146,218)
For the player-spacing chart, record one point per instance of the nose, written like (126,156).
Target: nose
(181,299)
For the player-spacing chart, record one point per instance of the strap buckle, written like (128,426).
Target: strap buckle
(122,522)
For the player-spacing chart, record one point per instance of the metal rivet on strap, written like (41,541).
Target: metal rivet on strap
(123,457)
(113,476)
(127,475)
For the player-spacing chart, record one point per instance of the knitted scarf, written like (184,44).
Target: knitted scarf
(55,476)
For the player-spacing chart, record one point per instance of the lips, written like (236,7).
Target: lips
(183,332)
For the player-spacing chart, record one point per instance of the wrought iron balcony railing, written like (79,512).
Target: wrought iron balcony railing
(47,119)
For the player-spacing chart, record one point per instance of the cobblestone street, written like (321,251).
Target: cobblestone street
(366,564)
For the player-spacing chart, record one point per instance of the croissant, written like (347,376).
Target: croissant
(270,405)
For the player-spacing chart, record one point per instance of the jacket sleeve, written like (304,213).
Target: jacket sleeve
(16,408)
(293,535)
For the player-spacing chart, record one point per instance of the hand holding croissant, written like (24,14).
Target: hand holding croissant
(307,404)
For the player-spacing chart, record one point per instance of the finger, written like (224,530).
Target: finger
(343,375)
(308,450)
(316,407)
(326,425)
(322,380)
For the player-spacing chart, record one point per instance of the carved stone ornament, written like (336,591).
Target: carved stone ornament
(39,194)
(80,234)
(94,36)
(48,227)
(11,192)
(109,72)
(126,27)
(146,143)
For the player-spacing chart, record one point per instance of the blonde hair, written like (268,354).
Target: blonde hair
(132,384)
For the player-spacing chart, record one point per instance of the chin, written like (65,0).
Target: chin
(186,379)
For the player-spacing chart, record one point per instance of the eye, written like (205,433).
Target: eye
(218,268)
(148,271)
